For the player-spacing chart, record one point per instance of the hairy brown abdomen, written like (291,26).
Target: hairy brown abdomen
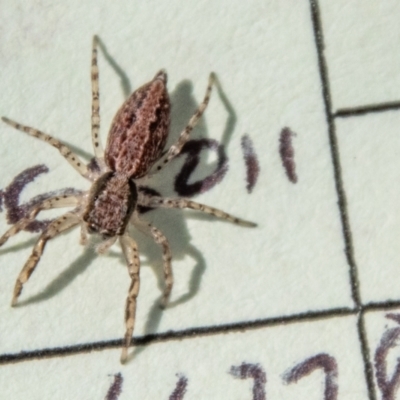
(139,130)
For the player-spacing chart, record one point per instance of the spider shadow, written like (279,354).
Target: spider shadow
(65,278)
(183,107)
(125,82)
(18,247)
(172,222)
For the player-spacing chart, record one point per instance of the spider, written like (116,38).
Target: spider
(134,151)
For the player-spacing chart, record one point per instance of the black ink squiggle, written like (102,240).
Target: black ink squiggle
(193,148)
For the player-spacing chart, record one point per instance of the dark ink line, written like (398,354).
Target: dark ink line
(368,368)
(177,335)
(342,202)
(323,70)
(369,109)
(380,306)
(195,332)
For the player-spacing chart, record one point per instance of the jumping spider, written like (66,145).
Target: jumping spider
(134,151)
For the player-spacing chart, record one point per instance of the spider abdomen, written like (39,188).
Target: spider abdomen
(140,129)
(111,202)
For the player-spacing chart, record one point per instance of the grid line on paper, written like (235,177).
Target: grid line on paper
(323,71)
(342,203)
(368,109)
(308,316)
(178,335)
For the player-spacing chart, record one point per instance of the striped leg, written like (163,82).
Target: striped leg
(130,250)
(176,148)
(98,147)
(53,202)
(65,151)
(162,241)
(84,240)
(167,202)
(59,225)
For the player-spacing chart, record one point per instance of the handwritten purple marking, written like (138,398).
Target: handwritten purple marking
(389,340)
(12,192)
(193,148)
(286,151)
(180,388)
(251,162)
(255,372)
(116,388)
(321,361)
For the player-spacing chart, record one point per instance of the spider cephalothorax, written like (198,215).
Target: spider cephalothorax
(134,151)
(111,201)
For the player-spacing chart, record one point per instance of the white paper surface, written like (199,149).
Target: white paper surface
(293,265)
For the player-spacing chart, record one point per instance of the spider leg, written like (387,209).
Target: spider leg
(84,240)
(53,202)
(98,147)
(130,250)
(162,241)
(168,202)
(65,151)
(59,225)
(176,148)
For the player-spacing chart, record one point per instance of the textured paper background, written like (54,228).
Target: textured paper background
(294,264)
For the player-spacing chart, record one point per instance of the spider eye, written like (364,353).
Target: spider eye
(92,228)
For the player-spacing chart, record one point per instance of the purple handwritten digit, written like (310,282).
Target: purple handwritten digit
(389,340)
(116,388)
(192,149)
(12,192)
(321,361)
(251,162)
(286,151)
(180,388)
(255,372)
